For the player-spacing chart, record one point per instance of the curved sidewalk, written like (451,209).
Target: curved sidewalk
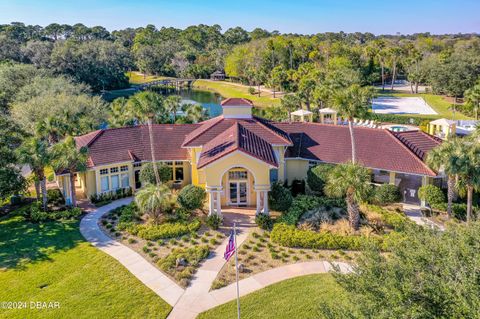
(148,274)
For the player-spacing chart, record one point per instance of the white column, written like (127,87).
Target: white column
(219,204)
(265,202)
(259,202)
(211,203)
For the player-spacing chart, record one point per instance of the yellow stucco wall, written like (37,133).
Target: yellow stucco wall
(296,169)
(214,172)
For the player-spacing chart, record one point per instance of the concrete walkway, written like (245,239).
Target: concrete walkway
(189,303)
(148,274)
(414,213)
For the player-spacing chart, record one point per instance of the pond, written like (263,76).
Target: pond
(209,100)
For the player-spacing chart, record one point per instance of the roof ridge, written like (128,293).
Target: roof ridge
(409,150)
(217,119)
(261,121)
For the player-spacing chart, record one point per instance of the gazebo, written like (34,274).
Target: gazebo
(302,114)
(442,128)
(328,115)
(217,76)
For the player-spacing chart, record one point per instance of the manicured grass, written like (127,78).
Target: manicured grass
(51,262)
(227,90)
(136,77)
(437,102)
(293,298)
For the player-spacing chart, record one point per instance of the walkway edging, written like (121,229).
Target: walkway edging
(148,274)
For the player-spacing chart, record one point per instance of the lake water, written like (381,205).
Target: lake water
(209,100)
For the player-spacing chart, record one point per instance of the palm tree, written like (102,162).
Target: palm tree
(35,153)
(66,156)
(441,159)
(472,98)
(466,164)
(153,200)
(353,182)
(146,106)
(51,127)
(173,103)
(394,54)
(291,102)
(194,113)
(351,102)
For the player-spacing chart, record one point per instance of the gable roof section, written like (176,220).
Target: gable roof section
(132,144)
(375,148)
(420,143)
(234,101)
(212,128)
(237,138)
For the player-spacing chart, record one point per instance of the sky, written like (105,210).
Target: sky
(286,16)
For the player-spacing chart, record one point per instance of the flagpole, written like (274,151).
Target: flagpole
(236,268)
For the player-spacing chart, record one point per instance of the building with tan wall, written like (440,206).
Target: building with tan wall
(237,156)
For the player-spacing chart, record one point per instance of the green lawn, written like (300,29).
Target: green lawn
(294,298)
(53,263)
(227,90)
(437,102)
(135,77)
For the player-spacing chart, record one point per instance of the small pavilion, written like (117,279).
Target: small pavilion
(302,114)
(442,128)
(217,76)
(328,116)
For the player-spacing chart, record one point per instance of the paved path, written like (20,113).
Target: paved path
(414,213)
(188,303)
(151,277)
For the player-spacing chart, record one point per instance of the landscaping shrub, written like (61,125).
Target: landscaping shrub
(155,232)
(386,194)
(280,198)
(214,221)
(127,213)
(304,203)
(396,220)
(105,198)
(298,187)
(35,214)
(264,221)
(192,197)
(432,194)
(317,177)
(193,256)
(290,236)
(147,175)
(55,197)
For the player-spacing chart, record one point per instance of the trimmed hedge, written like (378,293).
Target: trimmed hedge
(304,203)
(432,194)
(290,236)
(317,177)
(155,232)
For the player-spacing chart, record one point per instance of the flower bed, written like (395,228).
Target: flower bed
(175,247)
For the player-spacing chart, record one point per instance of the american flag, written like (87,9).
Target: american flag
(230,249)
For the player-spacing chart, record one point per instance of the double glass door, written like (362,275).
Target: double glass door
(238,193)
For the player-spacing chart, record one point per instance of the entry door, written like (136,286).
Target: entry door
(238,193)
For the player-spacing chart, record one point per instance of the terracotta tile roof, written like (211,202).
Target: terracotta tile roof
(213,127)
(420,143)
(237,137)
(87,139)
(237,102)
(375,148)
(133,144)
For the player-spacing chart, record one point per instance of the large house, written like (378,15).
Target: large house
(237,156)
